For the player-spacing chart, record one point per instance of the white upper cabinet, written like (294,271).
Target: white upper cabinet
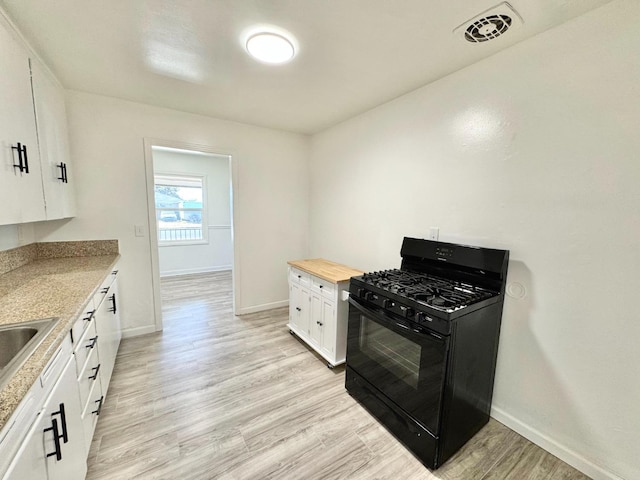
(51,119)
(36,181)
(21,193)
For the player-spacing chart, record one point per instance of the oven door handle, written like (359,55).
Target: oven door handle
(392,321)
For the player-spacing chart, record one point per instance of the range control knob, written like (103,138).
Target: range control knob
(424,319)
(369,296)
(388,303)
(407,311)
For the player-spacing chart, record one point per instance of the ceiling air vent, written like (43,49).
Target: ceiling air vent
(489,24)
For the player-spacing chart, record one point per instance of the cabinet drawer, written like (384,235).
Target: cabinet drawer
(89,376)
(53,369)
(84,346)
(298,276)
(91,411)
(104,288)
(327,289)
(81,323)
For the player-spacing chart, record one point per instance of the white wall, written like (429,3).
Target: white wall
(536,150)
(12,236)
(106,138)
(217,253)
(8,237)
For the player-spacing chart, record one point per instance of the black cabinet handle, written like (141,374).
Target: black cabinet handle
(298,309)
(99,402)
(26,161)
(105,290)
(56,440)
(63,172)
(63,421)
(19,149)
(23,161)
(95,374)
(112,298)
(93,342)
(90,313)
(115,272)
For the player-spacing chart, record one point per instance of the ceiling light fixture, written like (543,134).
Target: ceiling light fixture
(269,47)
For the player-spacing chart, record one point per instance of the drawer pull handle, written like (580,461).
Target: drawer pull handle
(56,440)
(93,342)
(99,402)
(105,290)
(90,314)
(63,422)
(95,375)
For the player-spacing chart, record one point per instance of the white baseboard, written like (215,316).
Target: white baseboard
(565,454)
(137,331)
(190,271)
(261,308)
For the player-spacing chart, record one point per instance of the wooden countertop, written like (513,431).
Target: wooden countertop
(55,287)
(326,269)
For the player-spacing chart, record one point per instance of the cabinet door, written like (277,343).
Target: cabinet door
(51,118)
(63,408)
(116,318)
(105,353)
(54,448)
(328,333)
(20,192)
(299,308)
(30,461)
(315,324)
(109,333)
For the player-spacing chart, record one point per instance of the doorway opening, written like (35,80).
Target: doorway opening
(190,198)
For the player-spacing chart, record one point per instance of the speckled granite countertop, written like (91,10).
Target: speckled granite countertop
(47,287)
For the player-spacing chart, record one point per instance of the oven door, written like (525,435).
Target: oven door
(404,361)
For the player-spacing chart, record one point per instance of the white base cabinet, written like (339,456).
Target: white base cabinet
(55,446)
(318,313)
(50,433)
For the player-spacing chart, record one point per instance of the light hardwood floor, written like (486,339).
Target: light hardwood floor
(215,396)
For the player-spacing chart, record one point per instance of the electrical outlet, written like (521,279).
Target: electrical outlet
(139,229)
(433,233)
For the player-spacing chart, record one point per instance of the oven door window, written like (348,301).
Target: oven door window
(406,366)
(390,350)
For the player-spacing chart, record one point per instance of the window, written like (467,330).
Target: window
(179,209)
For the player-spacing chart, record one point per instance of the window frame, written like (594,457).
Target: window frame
(175,178)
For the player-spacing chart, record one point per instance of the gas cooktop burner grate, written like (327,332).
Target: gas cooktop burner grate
(437,292)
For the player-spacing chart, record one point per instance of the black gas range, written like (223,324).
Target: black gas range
(422,343)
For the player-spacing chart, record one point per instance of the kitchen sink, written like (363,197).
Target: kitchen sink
(18,341)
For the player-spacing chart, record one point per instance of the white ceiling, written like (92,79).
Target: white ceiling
(188,55)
